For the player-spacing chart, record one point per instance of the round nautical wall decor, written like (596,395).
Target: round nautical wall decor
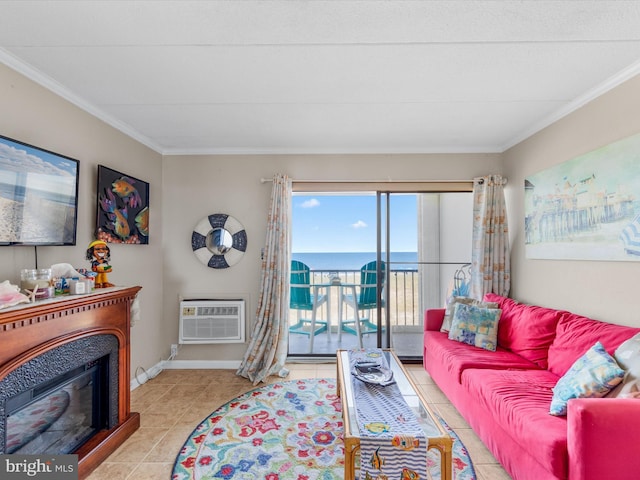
(219,241)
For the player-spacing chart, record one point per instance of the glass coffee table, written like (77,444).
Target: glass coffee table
(435,433)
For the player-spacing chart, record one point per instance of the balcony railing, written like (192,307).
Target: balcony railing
(432,281)
(403,296)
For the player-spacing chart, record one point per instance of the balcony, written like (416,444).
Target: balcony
(405,319)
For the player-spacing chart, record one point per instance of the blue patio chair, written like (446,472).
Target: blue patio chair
(367,299)
(301,299)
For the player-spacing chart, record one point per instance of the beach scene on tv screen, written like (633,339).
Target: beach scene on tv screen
(37,195)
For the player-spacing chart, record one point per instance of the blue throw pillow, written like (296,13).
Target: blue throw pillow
(475,325)
(593,375)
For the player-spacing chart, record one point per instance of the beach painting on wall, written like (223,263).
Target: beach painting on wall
(587,208)
(123,208)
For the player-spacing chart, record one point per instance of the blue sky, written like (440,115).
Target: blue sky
(347,223)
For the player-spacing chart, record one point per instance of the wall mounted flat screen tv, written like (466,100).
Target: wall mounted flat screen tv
(38,195)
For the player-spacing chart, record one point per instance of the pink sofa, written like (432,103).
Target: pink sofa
(505,395)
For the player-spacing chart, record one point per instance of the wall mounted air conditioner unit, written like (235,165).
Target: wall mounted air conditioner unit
(211,321)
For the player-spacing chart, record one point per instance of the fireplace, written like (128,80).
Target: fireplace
(64,376)
(57,401)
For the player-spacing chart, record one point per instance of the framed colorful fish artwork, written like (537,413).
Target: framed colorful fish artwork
(123,208)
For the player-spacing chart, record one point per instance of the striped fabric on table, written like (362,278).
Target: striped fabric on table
(392,442)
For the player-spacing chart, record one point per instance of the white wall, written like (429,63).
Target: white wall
(199,186)
(603,290)
(36,116)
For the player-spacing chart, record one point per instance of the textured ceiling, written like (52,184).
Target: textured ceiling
(324,76)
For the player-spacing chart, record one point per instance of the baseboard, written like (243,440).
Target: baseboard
(201,364)
(142,376)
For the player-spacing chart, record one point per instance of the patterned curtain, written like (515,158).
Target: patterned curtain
(490,266)
(268,347)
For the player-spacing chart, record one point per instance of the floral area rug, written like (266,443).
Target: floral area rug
(286,430)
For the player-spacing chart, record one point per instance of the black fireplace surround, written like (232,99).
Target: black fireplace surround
(100,349)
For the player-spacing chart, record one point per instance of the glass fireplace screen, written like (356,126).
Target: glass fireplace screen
(59,415)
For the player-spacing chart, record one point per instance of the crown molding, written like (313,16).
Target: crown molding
(50,84)
(574,105)
(329,151)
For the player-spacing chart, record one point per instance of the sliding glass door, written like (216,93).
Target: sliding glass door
(334,236)
(377,260)
(426,239)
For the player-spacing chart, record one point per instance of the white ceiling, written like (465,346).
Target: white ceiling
(305,76)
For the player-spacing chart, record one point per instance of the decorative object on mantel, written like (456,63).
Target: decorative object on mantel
(10,295)
(100,255)
(65,270)
(68,279)
(37,283)
(219,241)
(33,293)
(123,208)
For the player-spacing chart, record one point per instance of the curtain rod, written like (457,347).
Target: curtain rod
(504,181)
(268,180)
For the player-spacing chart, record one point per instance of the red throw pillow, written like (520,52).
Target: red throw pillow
(576,334)
(527,330)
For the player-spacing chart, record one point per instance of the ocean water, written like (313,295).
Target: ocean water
(354,260)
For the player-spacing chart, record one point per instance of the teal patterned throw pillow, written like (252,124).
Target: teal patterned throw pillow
(475,325)
(451,304)
(593,375)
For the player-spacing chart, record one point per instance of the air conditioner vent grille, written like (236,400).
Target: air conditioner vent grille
(211,321)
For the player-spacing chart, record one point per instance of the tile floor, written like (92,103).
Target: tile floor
(172,404)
